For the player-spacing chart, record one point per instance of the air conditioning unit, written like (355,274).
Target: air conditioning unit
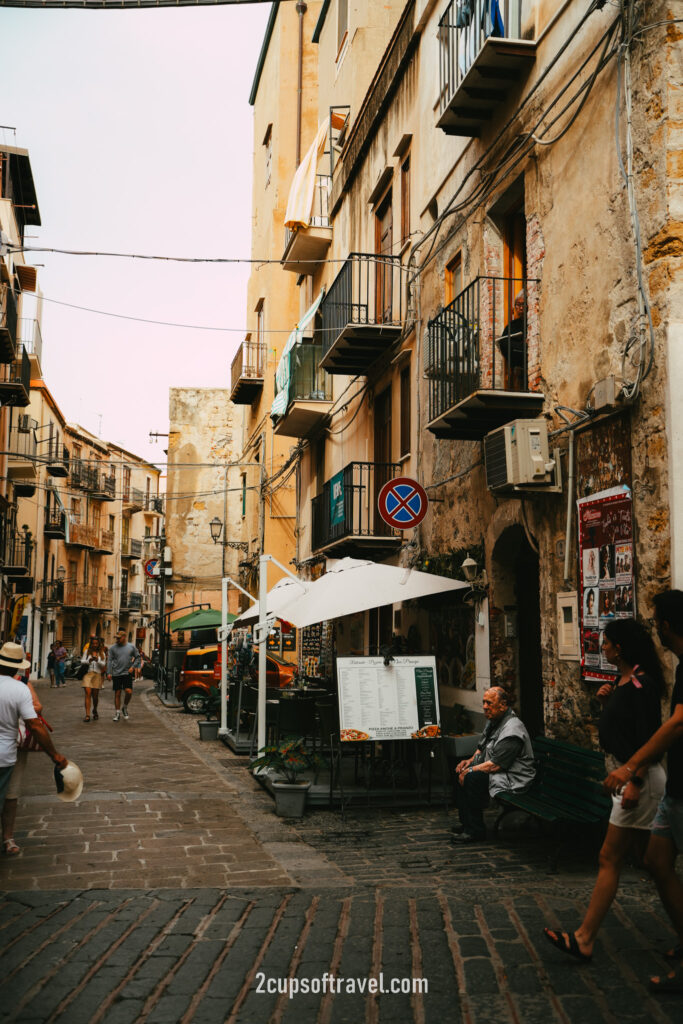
(516,456)
(134,569)
(170,597)
(24,424)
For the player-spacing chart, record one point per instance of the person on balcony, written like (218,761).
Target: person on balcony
(512,345)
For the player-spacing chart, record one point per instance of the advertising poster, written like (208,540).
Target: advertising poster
(337,499)
(398,701)
(606,572)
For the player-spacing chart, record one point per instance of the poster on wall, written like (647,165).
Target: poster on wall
(606,573)
(398,701)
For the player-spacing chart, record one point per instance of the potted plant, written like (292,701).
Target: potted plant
(208,729)
(288,760)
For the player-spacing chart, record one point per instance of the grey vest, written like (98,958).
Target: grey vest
(521,773)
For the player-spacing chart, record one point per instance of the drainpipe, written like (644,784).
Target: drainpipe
(300,10)
(570,496)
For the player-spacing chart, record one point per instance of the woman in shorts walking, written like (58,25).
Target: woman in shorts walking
(96,658)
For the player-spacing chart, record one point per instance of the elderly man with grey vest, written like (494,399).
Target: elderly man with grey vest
(502,763)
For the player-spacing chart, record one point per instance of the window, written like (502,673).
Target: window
(405,410)
(268,158)
(405,200)
(342,23)
(76,509)
(111,524)
(453,278)
(126,484)
(110,582)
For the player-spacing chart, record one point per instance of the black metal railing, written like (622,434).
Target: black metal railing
(366,292)
(136,548)
(52,592)
(31,337)
(154,503)
(463,30)
(135,602)
(8,318)
(347,506)
(15,380)
(249,362)
(55,521)
(478,343)
(83,476)
(17,551)
(308,382)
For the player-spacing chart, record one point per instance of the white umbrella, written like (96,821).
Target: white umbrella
(354,585)
(283,593)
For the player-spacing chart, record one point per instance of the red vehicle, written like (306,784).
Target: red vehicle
(278,671)
(197,678)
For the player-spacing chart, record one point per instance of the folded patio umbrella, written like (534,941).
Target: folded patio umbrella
(352,585)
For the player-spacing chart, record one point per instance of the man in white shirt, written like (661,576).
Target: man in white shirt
(16,703)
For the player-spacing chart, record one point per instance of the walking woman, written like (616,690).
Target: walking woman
(96,658)
(631,713)
(51,665)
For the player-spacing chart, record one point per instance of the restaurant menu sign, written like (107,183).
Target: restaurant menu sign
(394,702)
(606,573)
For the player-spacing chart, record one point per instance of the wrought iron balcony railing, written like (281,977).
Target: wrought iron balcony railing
(82,535)
(476,356)
(104,488)
(135,601)
(55,523)
(15,381)
(8,324)
(16,553)
(84,476)
(86,595)
(154,503)
(481,56)
(362,312)
(247,372)
(346,511)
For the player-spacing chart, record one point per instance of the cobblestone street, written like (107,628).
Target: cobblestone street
(171,893)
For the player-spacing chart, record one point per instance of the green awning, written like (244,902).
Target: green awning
(205,618)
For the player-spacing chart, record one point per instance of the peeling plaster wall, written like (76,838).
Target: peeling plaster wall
(201,431)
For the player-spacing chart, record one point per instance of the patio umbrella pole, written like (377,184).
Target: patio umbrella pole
(223,636)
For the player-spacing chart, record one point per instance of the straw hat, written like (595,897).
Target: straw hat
(69,782)
(12,655)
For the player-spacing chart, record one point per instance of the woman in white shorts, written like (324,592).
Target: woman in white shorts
(96,658)
(631,714)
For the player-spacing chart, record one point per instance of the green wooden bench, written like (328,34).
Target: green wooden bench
(567,788)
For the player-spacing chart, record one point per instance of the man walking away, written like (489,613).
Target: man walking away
(666,837)
(122,660)
(502,763)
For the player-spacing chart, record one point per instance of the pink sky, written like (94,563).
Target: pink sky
(140,138)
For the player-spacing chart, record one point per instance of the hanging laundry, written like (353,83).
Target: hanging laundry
(463,13)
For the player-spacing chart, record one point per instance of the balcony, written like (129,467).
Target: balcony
(17,553)
(85,595)
(104,488)
(481,61)
(133,500)
(154,504)
(135,602)
(306,247)
(82,535)
(308,396)
(15,381)
(131,548)
(345,519)
(55,524)
(361,313)
(8,324)
(24,584)
(105,542)
(52,593)
(31,338)
(477,365)
(57,457)
(23,449)
(83,476)
(151,602)
(246,372)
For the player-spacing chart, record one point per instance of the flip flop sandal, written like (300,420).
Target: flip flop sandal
(674,954)
(87,718)
(569,945)
(10,848)
(668,983)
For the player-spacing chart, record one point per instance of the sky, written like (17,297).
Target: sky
(139,133)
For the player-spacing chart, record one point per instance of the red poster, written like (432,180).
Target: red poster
(605,571)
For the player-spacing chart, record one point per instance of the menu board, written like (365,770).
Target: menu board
(398,701)
(606,572)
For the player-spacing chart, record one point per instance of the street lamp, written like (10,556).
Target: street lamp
(216,527)
(61,573)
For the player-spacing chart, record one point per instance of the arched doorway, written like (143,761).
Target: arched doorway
(516,660)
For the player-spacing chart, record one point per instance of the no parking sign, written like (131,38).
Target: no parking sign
(402,503)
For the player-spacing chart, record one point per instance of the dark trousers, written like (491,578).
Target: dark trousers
(471,798)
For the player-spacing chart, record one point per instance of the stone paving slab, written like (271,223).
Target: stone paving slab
(214,956)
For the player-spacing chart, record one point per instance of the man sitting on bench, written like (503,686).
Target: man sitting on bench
(502,763)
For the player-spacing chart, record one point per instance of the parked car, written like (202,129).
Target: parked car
(278,671)
(196,678)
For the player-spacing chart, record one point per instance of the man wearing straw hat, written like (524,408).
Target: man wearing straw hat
(16,703)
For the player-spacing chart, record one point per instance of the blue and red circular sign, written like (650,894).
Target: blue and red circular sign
(402,503)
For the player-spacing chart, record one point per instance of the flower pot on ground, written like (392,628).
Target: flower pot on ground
(286,762)
(208,729)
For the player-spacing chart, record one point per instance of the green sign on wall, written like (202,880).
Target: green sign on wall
(337,499)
